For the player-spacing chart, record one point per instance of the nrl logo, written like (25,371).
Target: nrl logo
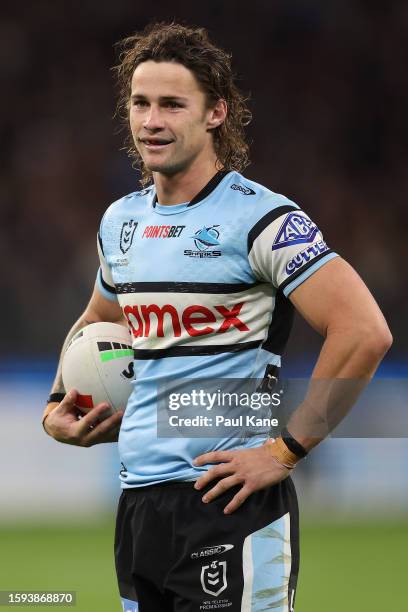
(126,235)
(214,577)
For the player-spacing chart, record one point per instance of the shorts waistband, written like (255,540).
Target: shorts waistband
(174,484)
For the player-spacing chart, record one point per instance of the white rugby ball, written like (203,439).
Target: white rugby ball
(98,363)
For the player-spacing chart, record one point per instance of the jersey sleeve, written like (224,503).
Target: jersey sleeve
(104,279)
(286,247)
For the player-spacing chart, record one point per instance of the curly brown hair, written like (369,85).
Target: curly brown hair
(191,47)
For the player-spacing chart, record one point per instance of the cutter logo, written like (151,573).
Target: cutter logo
(305,256)
(214,577)
(126,235)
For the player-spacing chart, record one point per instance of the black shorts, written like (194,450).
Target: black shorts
(176,554)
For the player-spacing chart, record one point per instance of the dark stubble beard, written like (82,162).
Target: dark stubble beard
(172,168)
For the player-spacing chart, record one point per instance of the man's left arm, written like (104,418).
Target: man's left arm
(337,304)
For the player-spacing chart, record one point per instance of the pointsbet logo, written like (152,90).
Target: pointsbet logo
(162,231)
(149,320)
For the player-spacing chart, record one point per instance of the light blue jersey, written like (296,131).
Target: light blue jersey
(204,287)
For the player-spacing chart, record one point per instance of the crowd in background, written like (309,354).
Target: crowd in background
(328,86)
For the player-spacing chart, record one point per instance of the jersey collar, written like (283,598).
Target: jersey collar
(209,187)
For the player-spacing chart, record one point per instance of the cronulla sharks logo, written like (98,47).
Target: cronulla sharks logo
(205,240)
(206,237)
(126,235)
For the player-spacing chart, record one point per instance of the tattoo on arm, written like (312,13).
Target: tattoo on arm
(58,385)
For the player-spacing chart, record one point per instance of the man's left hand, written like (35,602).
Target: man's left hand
(253,468)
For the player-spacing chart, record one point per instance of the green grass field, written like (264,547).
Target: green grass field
(344,568)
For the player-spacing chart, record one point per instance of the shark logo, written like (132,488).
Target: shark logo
(206,237)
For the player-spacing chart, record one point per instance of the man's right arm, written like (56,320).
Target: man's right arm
(60,419)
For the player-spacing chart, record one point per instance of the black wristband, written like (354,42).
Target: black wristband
(55,397)
(292,444)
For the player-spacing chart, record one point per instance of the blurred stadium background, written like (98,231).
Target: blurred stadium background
(329,95)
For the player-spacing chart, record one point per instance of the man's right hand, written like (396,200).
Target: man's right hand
(95,426)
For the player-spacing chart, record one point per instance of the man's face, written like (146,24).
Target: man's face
(168,117)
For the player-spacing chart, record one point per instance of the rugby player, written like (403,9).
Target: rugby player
(206,268)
